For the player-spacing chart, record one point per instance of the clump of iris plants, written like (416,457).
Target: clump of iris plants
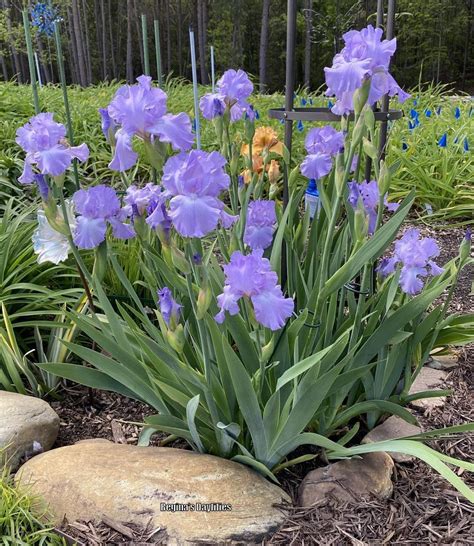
(273,328)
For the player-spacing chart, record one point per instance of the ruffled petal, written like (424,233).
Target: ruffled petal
(272,309)
(53,161)
(316,165)
(27,176)
(410,281)
(124,156)
(258,236)
(227,301)
(121,230)
(49,244)
(80,152)
(90,232)
(175,129)
(194,216)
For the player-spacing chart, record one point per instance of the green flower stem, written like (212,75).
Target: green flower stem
(85,276)
(202,336)
(31,61)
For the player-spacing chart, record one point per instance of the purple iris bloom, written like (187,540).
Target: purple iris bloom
(355,163)
(415,255)
(44,141)
(97,207)
(169,308)
(141,110)
(325,140)
(365,55)
(42,184)
(251,276)
(109,126)
(194,181)
(368,194)
(212,105)
(232,91)
(316,165)
(260,224)
(141,197)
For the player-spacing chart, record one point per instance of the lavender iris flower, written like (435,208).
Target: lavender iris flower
(251,276)
(321,143)
(141,110)
(232,91)
(365,55)
(415,255)
(97,207)
(169,308)
(260,224)
(325,140)
(368,194)
(109,127)
(44,141)
(316,165)
(194,181)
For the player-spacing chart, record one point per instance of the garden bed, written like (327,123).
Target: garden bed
(423,508)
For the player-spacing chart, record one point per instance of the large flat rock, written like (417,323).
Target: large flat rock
(195,497)
(428,380)
(27,424)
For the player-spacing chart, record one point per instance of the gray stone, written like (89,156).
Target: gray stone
(443,362)
(349,480)
(27,425)
(427,380)
(393,427)
(93,481)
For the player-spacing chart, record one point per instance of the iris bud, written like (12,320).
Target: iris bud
(203,302)
(361,95)
(176,338)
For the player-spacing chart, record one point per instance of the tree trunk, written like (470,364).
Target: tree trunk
(81,61)
(307,42)
(180,38)
(467,42)
(43,59)
(86,42)
(111,40)
(262,63)
(168,35)
(129,42)
(14,52)
(102,38)
(139,35)
(202,31)
(4,68)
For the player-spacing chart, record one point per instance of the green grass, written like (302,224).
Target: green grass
(443,177)
(22,517)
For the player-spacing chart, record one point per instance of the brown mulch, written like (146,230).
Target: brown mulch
(424,508)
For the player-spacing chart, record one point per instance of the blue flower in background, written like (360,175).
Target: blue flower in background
(443,141)
(311,102)
(257,114)
(43,17)
(303,102)
(438,110)
(415,102)
(457,112)
(404,146)
(330,104)
(428,113)
(300,126)
(456,140)
(465,145)
(414,114)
